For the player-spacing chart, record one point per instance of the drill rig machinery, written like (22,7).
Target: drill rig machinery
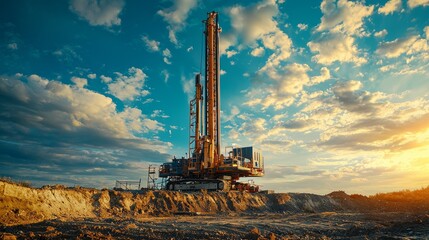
(206,167)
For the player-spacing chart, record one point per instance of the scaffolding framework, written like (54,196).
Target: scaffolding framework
(151,177)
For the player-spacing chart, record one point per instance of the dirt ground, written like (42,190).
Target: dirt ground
(58,212)
(325,225)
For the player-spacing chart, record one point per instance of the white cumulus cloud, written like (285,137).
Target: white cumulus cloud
(176,17)
(381,33)
(324,75)
(92,76)
(257,23)
(105,79)
(74,130)
(408,45)
(416,3)
(167,56)
(283,88)
(151,45)
(344,16)
(230,53)
(258,52)
(80,82)
(335,47)
(341,22)
(128,87)
(390,7)
(98,12)
(302,26)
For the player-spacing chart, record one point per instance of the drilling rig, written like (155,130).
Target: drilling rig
(206,167)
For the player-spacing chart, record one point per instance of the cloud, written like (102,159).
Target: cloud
(359,134)
(151,45)
(256,23)
(302,26)
(258,52)
(279,171)
(408,45)
(13,46)
(347,95)
(382,134)
(105,79)
(148,100)
(226,41)
(381,33)
(80,82)
(324,123)
(252,26)
(67,54)
(190,49)
(58,133)
(343,16)
(128,87)
(335,47)
(166,75)
(298,124)
(350,119)
(92,76)
(233,134)
(306,97)
(342,116)
(341,22)
(390,7)
(254,127)
(188,86)
(324,75)
(230,53)
(284,86)
(98,12)
(281,44)
(167,56)
(253,22)
(226,117)
(158,114)
(176,17)
(222,72)
(349,86)
(417,3)
(276,145)
(387,68)
(293,79)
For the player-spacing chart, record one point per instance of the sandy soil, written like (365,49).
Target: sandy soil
(325,225)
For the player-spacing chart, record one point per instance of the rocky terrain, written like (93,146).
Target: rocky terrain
(58,212)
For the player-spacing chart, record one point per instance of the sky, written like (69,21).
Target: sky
(334,93)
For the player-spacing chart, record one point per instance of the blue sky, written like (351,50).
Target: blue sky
(335,93)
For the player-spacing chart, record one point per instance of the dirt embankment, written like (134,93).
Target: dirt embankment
(416,201)
(21,205)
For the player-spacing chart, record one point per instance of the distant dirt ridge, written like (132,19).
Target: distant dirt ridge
(22,205)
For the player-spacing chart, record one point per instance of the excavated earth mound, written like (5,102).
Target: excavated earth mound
(58,212)
(23,205)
